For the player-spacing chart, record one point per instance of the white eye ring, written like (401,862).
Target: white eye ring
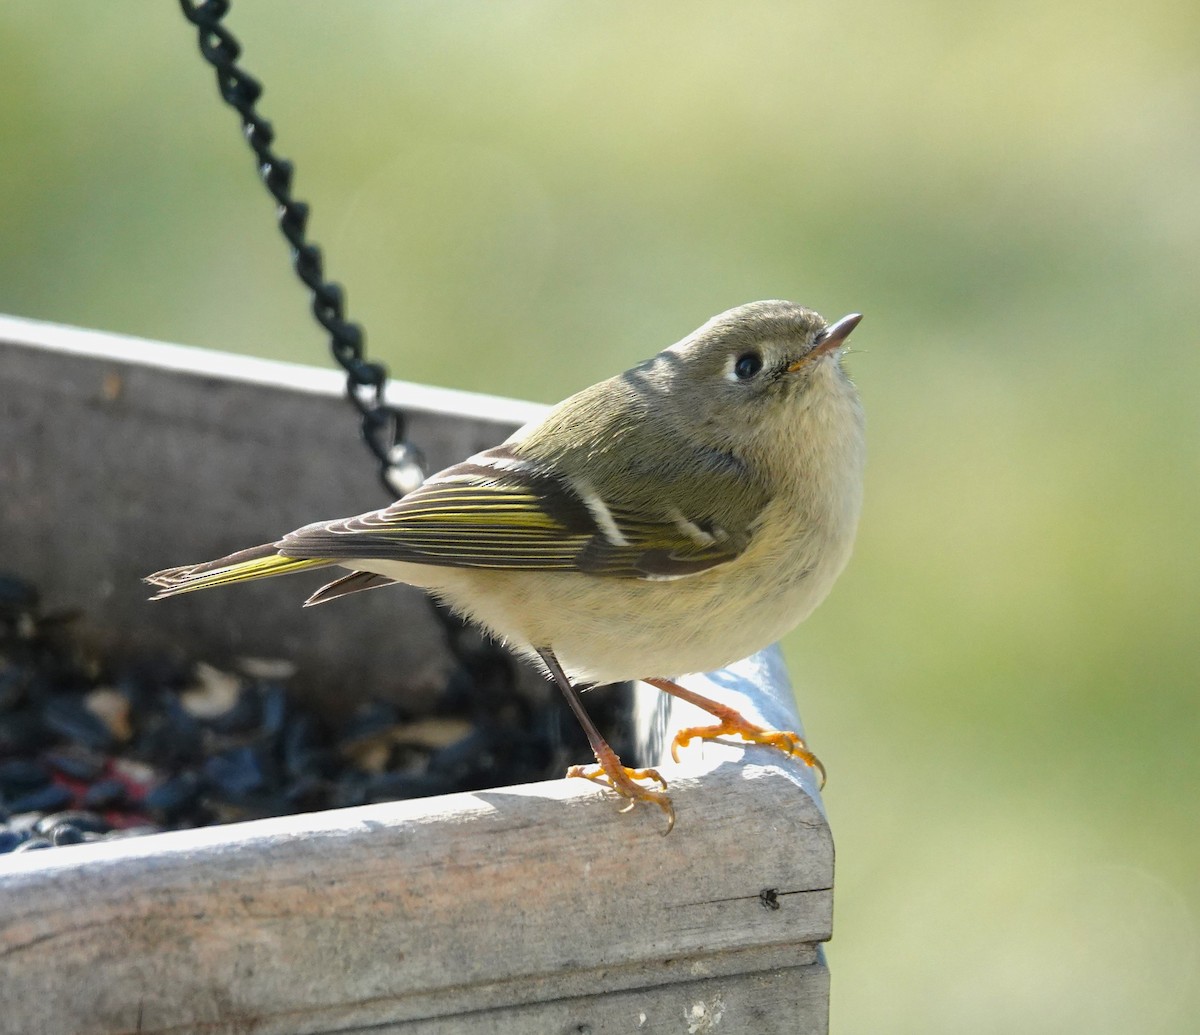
(746,366)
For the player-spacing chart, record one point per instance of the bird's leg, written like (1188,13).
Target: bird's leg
(732,723)
(609,770)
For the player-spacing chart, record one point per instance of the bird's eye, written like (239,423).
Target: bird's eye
(748,364)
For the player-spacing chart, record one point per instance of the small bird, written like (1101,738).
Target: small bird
(672,519)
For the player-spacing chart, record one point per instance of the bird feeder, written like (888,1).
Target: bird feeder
(534,908)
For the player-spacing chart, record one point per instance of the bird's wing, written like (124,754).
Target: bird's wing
(501,510)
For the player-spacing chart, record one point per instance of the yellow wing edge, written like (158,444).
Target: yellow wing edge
(235,568)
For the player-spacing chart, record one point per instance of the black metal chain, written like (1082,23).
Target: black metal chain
(401,466)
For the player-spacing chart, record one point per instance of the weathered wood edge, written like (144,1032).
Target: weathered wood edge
(269,373)
(789,1000)
(416,909)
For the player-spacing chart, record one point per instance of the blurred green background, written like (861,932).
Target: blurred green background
(523,198)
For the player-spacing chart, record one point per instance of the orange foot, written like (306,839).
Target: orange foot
(612,774)
(733,724)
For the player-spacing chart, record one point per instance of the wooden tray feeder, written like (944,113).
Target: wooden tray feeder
(521,909)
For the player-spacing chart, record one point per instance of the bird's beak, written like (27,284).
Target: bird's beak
(828,340)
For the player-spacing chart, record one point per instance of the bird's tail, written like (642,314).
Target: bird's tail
(259,562)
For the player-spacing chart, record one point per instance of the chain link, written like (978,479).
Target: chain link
(401,465)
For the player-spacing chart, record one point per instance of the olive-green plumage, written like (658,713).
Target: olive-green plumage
(671,519)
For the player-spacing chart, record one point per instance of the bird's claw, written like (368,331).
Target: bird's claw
(623,781)
(733,725)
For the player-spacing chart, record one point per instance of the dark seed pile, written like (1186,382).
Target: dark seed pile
(91,748)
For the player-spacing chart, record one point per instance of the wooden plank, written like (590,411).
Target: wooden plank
(420,909)
(136,455)
(784,1001)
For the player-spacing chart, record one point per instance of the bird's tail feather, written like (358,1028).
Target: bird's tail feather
(259,562)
